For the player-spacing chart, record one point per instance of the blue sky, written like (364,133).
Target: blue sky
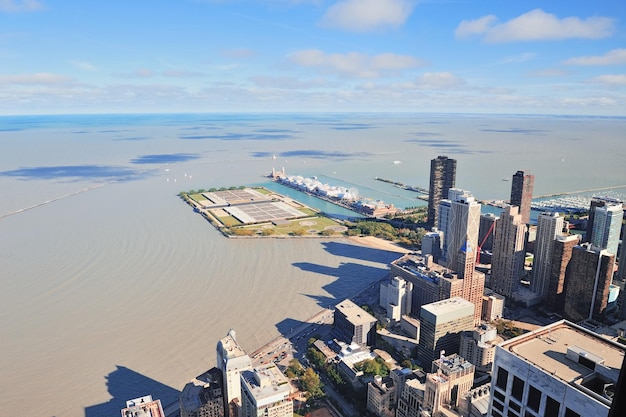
(133,56)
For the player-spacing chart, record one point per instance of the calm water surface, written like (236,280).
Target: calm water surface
(112,287)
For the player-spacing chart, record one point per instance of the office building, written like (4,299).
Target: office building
(475,402)
(561,255)
(395,298)
(432,244)
(560,370)
(411,395)
(522,193)
(595,203)
(143,407)
(588,279)
(478,346)
(606,227)
(441,325)
(451,377)
(462,242)
(352,324)
(232,360)
(442,178)
(381,396)
(493,305)
(203,396)
(265,393)
(443,224)
(549,226)
(507,263)
(621,270)
(486,231)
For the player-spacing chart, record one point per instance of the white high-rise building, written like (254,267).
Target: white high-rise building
(395,297)
(232,360)
(560,370)
(549,226)
(265,393)
(507,263)
(607,225)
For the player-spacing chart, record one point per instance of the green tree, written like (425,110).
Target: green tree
(295,367)
(311,383)
(316,357)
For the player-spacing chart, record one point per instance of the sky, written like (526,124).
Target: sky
(457,56)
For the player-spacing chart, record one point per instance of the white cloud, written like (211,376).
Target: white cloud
(367,15)
(290,83)
(41,78)
(438,81)
(516,59)
(83,65)
(181,74)
(548,72)
(140,73)
(355,64)
(479,26)
(610,79)
(537,25)
(613,57)
(13,6)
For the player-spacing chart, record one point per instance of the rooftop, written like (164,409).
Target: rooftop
(266,381)
(447,306)
(230,346)
(569,353)
(355,314)
(423,267)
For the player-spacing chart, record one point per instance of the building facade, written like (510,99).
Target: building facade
(549,226)
(606,227)
(479,346)
(232,360)
(352,324)
(395,298)
(560,370)
(442,178)
(266,393)
(507,263)
(561,255)
(522,193)
(462,244)
(588,280)
(203,396)
(441,325)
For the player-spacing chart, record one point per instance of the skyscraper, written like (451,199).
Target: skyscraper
(587,282)
(522,193)
(442,178)
(561,255)
(606,227)
(265,392)
(462,242)
(549,226)
(232,360)
(595,203)
(507,264)
(441,325)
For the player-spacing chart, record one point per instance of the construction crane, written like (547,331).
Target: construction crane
(483,242)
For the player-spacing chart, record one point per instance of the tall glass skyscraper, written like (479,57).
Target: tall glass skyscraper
(442,178)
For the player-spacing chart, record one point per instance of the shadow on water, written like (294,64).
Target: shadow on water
(70,171)
(361,252)
(125,384)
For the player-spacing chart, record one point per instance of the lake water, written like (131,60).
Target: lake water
(112,288)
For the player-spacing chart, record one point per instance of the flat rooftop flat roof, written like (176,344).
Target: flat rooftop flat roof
(547,348)
(355,314)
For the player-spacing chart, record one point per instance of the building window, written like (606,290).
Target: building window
(518,388)
(570,413)
(514,406)
(511,414)
(498,405)
(534,398)
(503,375)
(498,395)
(552,407)
(494,413)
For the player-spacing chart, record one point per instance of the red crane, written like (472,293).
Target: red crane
(483,242)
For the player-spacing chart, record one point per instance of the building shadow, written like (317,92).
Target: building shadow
(361,252)
(125,384)
(352,278)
